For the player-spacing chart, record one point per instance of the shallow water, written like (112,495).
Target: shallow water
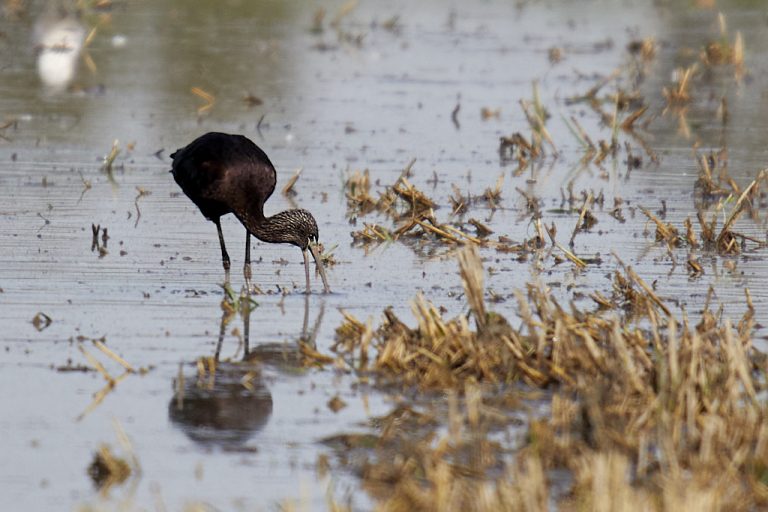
(330,105)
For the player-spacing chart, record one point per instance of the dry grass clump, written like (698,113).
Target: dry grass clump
(402,203)
(644,48)
(438,353)
(620,111)
(648,412)
(516,148)
(358,192)
(412,214)
(664,231)
(714,53)
(729,203)
(722,51)
(679,93)
(537,117)
(413,220)
(107,469)
(728,241)
(714,180)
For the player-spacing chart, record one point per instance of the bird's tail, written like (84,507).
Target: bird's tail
(173,157)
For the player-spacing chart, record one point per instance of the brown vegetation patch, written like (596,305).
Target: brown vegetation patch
(646,412)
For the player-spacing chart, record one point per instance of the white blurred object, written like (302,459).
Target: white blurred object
(119,41)
(59,38)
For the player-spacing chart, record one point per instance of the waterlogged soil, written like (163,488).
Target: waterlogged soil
(385,85)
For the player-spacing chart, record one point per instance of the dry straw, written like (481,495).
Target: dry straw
(648,412)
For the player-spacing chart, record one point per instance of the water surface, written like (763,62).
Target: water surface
(363,96)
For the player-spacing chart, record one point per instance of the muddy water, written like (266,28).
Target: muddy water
(371,97)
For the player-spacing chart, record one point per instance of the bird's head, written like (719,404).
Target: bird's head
(297,227)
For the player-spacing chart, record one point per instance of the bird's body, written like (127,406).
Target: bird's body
(218,172)
(223,174)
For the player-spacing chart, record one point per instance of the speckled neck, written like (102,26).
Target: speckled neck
(291,226)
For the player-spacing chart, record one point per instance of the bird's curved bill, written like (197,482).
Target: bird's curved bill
(313,248)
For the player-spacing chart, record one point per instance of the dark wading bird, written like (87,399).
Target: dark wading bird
(224,174)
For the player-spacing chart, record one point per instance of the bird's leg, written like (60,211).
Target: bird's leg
(306,268)
(247,268)
(304,333)
(246,314)
(224,255)
(222,328)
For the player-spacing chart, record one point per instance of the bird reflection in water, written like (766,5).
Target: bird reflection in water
(58,38)
(226,402)
(288,357)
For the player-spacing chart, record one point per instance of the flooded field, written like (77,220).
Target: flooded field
(538,132)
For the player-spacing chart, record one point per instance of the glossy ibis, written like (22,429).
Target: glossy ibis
(223,174)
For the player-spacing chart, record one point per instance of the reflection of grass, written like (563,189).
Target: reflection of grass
(86,187)
(234,302)
(108,470)
(111,382)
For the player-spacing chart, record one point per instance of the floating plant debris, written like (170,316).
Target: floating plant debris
(41,321)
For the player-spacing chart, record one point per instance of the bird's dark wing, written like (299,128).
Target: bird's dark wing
(223,173)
